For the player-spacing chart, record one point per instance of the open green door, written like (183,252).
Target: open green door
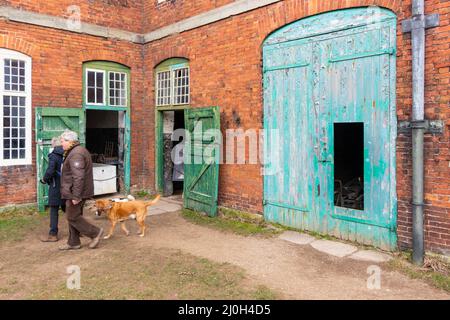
(51,122)
(202,154)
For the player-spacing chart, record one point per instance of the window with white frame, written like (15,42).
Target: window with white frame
(173,87)
(181,86)
(95,93)
(164,88)
(15,108)
(117,89)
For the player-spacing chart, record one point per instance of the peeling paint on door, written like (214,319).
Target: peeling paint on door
(316,75)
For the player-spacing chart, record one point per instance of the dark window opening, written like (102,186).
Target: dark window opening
(349,165)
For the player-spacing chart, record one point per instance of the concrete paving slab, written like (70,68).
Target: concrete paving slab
(170,207)
(371,256)
(334,248)
(154,212)
(297,237)
(174,199)
(160,204)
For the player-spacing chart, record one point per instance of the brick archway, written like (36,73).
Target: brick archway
(174,52)
(284,13)
(105,55)
(18,44)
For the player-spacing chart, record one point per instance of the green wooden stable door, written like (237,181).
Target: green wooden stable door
(329,104)
(51,122)
(201,156)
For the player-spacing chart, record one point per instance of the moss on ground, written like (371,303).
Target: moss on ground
(232,221)
(16,222)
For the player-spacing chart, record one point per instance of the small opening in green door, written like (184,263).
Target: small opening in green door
(349,165)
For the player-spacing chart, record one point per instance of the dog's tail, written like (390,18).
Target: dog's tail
(149,203)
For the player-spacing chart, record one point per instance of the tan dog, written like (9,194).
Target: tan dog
(121,211)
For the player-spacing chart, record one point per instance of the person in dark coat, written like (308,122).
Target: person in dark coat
(77,185)
(52,177)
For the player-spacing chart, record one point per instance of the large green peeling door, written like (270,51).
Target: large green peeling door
(51,122)
(290,167)
(201,154)
(358,91)
(329,99)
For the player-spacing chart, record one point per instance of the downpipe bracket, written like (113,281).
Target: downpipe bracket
(435,127)
(420,124)
(417,204)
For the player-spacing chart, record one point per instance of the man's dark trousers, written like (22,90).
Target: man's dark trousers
(77,224)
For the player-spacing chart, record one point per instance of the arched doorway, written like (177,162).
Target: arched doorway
(329,97)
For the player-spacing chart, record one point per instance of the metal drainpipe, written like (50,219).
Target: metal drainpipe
(418,128)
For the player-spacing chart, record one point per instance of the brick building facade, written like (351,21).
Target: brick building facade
(225,61)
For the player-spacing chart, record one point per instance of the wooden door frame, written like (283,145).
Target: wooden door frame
(169,65)
(106,67)
(127,140)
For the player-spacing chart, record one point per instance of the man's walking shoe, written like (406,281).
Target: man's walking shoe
(96,240)
(69,247)
(49,238)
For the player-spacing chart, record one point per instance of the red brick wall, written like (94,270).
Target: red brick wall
(231,51)
(171,11)
(57,59)
(122,14)
(437,155)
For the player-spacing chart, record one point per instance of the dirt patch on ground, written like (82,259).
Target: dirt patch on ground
(119,269)
(178,259)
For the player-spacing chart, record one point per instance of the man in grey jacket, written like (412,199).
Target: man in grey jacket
(77,185)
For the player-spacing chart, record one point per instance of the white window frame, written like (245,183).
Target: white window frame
(14,55)
(104,87)
(172,87)
(125,89)
(157,88)
(188,87)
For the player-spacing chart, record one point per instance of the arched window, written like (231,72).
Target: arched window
(15,108)
(172,83)
(106,84)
